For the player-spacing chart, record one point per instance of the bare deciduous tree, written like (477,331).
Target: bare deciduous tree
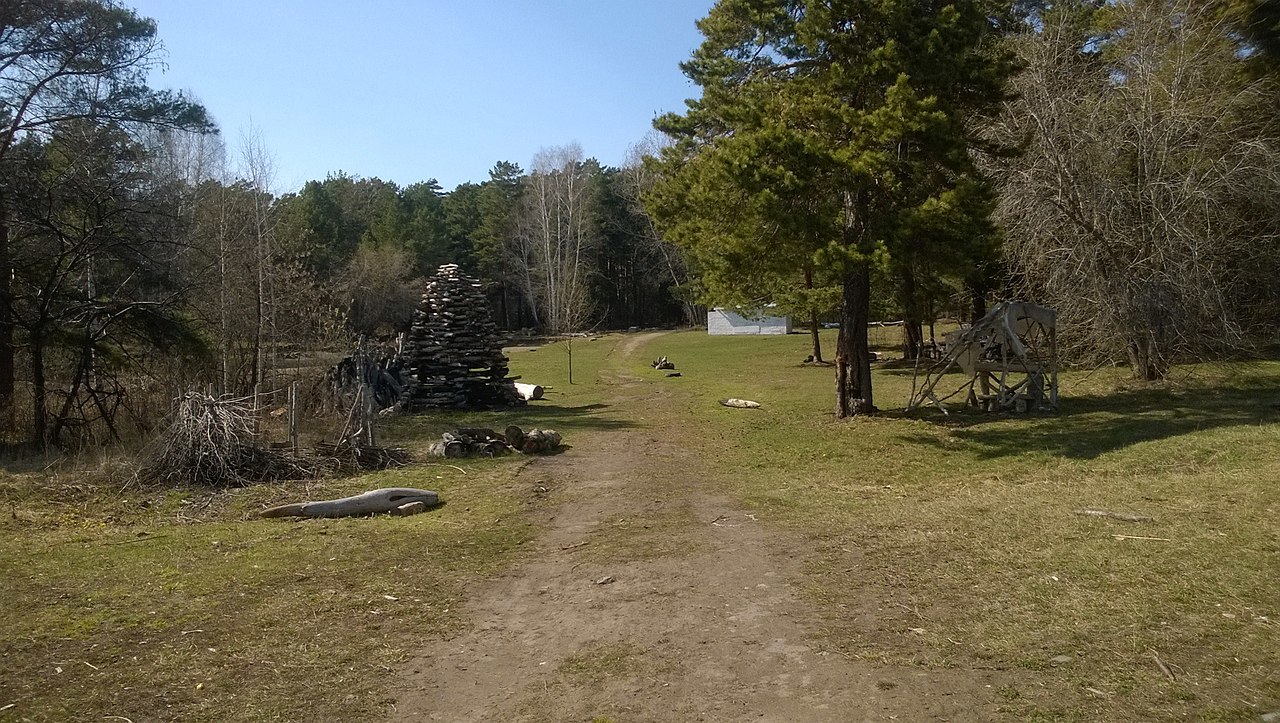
(556,235)
(1145,206)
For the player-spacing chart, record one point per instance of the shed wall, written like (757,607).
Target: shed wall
(722,322)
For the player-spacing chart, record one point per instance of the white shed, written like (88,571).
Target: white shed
(723,322)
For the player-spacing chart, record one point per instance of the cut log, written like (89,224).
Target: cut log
(370,503)
(514,436)
(529,391)
(540,440)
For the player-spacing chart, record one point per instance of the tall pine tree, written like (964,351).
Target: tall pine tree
(826,132)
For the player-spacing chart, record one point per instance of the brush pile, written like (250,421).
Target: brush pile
(211,441)
(356,457)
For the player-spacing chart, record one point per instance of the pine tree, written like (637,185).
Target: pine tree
(825,133)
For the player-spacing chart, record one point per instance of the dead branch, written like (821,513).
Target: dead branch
(1115,515)
(1163,668)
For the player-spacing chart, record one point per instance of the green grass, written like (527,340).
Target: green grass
(183,605)
(935,543)
(179,604)
(965,527)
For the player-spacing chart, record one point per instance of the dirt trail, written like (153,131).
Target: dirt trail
(679,606)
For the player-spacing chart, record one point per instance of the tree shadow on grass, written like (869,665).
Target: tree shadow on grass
(1089,426)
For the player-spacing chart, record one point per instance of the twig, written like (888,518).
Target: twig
(575,545)
(438,464)
(1163,668)
(1136,537)
(91,665)
(718,519)
(136,539)
(1115,515)
(911,610)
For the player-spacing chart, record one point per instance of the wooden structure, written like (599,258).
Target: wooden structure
(453,352)
(1009,359)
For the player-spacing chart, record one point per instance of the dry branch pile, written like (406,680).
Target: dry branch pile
(211,441)
(356,457)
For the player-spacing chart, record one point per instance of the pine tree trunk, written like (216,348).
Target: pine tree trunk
(813,319)
(912,331)
(979,305)
(817,339)
(853,353)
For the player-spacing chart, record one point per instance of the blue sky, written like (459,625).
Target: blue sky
(407,90)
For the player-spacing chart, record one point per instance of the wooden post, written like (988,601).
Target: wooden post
(1053,367)
(368,412)
(293,416)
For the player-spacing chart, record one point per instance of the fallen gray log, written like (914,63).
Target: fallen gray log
(740,403)
(370,503)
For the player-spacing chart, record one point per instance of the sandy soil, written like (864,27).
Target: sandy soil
(679,606)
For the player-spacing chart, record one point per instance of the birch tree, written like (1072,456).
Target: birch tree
(557,235)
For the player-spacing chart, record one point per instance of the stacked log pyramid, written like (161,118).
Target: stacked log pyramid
(453,352)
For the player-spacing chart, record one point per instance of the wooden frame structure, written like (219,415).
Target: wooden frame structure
(1009,359)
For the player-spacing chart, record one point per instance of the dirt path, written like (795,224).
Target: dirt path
(650,596)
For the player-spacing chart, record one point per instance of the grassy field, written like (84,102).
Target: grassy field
(935,542)
(954,542)
(152,604)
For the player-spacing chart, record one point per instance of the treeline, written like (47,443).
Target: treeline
(1117,160)
(142,258)
(857,160)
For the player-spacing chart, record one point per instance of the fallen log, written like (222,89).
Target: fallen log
(536,441)
(740,403)
(373,502)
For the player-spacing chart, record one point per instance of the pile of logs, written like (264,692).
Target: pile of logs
(488,443)
(454,353)
(535,441)
(381,369)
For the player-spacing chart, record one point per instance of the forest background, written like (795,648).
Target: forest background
(1118,161)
